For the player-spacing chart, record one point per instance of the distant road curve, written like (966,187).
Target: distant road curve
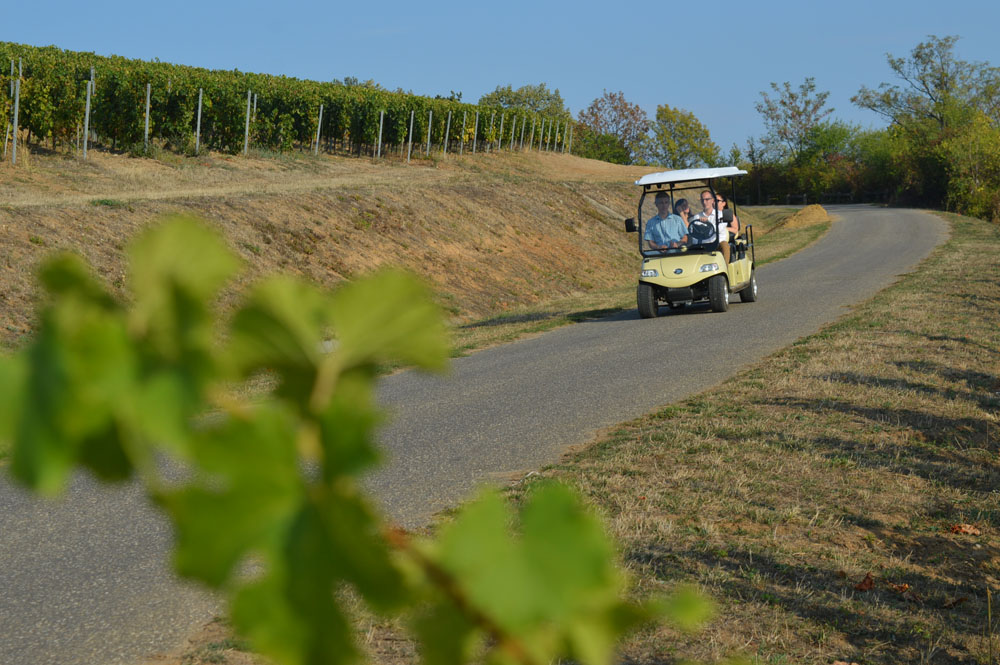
(85,580)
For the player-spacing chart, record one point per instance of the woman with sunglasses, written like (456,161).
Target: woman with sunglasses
(733,228)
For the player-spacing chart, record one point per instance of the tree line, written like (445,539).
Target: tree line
(941,147)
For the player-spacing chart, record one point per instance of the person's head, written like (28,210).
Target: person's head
(682,208)
(720,201)
(662,202)
(708,200)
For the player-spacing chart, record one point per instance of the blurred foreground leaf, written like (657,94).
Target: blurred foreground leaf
(550,590)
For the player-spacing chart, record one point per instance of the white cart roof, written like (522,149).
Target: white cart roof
(685,175)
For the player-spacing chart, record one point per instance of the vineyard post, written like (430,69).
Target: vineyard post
(381,119)
(499,138)
(541,134)
(493,117)
(410,148)
(246,129)
(524,124)
(555,144)
(197,129)
(461,143)
(93,93)
(6,137)
(571,140)
(145,132)
(475,134)
(447,132)
(12,77)
(430,123)
(548,138)
(513,132)
(531,138)
(255,107)
(17,104)
(86,118)
(319,125)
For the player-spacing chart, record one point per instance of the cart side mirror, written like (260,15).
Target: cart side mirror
(630,225)
(727,216)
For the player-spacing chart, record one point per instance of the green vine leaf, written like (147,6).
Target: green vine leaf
(552,592)
(76,377)
(389,316)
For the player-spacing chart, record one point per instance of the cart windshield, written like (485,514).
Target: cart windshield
(678,219)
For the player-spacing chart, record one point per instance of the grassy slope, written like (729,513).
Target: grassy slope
(498,236)
(852,452)
(488,232)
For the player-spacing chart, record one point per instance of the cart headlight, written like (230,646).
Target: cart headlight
(709,267)
(650,273)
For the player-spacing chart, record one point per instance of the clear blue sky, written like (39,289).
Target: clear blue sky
(713,62)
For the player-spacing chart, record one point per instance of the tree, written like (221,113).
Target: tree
(973,161)
(605,147)
(945,113)
(537,98)
(612,114)
(791,115)
(936,86)
(679,141)
(355,82)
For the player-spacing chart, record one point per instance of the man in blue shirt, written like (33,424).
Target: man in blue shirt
(665,230)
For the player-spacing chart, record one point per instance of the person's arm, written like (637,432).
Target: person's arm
(648,236)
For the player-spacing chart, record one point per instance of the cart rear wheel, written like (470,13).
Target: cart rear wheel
(749,294)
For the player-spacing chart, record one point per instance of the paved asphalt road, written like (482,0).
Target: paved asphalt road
(85,580)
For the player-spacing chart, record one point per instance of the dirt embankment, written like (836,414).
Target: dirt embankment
(810,215)
(488,232)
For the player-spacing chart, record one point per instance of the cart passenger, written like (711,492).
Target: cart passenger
(683,210)
(665,230)
(710,225)
(734,226)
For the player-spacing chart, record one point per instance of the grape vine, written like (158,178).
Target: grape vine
(54,91)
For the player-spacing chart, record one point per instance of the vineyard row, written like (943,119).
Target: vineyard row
(190,108)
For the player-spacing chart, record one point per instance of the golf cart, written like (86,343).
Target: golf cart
(679,270)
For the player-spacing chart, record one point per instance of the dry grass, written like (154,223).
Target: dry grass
(214,644)
(488,233)
(852,452)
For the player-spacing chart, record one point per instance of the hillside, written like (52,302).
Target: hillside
(488,232)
